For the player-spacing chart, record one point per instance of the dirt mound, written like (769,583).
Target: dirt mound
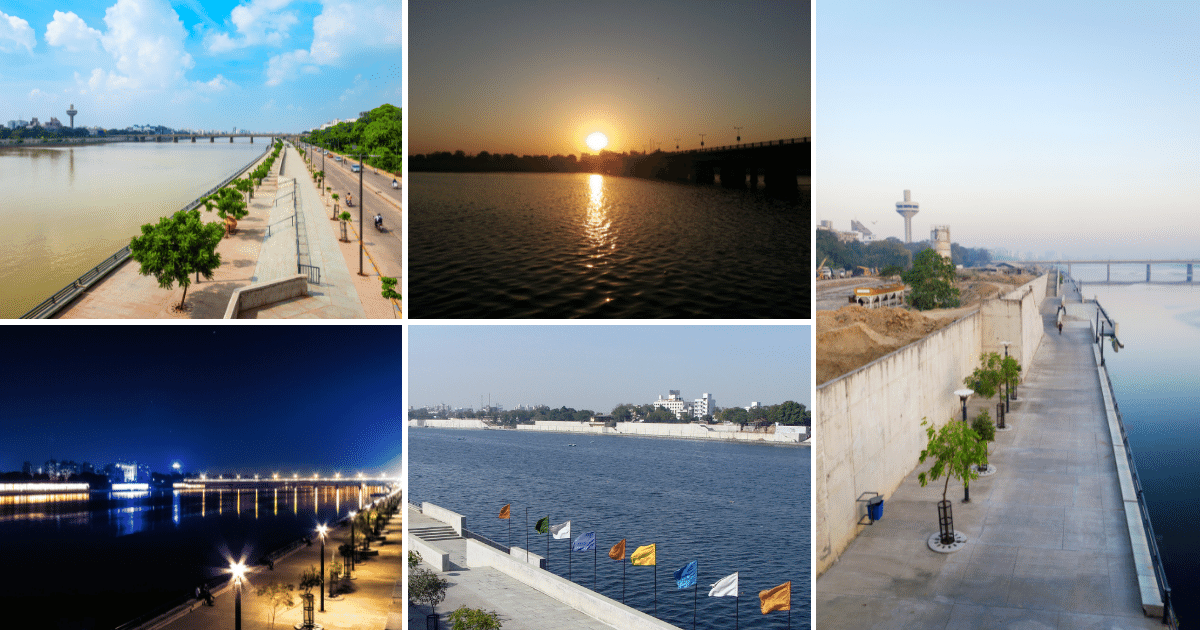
(853,336)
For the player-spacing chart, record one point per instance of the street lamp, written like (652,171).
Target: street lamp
(352,548)
(321,529)
(238,570)
(739,135)
(702,138)
(1006,344)
(361,234)
(963,394)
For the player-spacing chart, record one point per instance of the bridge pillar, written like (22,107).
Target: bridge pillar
(251,139)
(230,139)
(1109,278)
(1189,272)
(175,139)
(1147,272)
(704,173)
(193,139)
(1069,270)
(781,182)
(753,172)
(733,175)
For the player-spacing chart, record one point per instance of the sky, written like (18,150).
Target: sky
(240,399)
(1067,127)
(599,367)
(259,65)
(537,77)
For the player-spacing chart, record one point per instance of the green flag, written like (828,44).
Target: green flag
(543,525)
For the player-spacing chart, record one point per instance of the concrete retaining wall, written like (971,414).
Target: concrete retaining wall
(431,555)
(448,423)
(264,293)
(530,558)
(788,435)
(869,423)
(453,519)
(1016,317)
(582,599)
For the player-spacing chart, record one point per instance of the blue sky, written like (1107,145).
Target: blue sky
(262,65)
(1037,126)
(599,367)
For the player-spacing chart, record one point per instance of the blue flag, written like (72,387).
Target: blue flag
(686,577)
(585,542)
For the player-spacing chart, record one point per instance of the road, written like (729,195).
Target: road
(388,247)
(834,294)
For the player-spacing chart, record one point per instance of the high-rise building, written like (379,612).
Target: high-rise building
(674,403)
(940,237)
(907,209)
(704,406)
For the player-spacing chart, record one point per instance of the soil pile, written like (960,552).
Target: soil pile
(853,336)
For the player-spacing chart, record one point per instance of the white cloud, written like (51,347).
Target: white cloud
(342,30)
(269,105)
(257,22)
(15,34)
(71,32)
(39,96)
(145,39)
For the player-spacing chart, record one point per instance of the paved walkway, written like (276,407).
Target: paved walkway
(1048,543)
(521,607)
(368,607)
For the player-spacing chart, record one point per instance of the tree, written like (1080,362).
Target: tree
(229,205)
(956,451)
(344,216)
(474,619)
(311,578)
(988,377)
(425,587)
(389,288)
(789,413)
(932,282)
(177,247)
(1010,371)
(662,414)
(278,596)
(982,424)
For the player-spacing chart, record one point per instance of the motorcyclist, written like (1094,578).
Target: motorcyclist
(395,184)
(378,221)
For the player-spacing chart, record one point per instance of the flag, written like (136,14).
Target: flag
(561,532)
(543,525)
(504,511)
(643,556)
(686,577)
(778,598)
(725,587)
(585,542)
(618,551)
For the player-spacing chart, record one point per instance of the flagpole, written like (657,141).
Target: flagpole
(622,579)
(570,559)
(736,598)
(695,598)
(594,552)
(656,587)
(547,542)
(527,535)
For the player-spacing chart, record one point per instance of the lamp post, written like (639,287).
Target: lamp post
(238,569)
(352,549)
(321,529)
(702,138)
(963,394)
(739,133)
(1006,344)
(361,233)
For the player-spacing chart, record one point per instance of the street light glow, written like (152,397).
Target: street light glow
(238,570)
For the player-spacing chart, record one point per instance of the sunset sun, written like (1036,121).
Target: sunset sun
(597,141)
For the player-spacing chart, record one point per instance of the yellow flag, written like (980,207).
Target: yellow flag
(618,551)
(643,556)
(778,598)
(504,511)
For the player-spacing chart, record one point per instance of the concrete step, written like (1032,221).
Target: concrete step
(434,532)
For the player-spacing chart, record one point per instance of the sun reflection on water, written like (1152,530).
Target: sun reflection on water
(598,226)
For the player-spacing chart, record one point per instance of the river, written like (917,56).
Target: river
(537,245)
(1156,380)
(91,561)
(731,507)
(65,209)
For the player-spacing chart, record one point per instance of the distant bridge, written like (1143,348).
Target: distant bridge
(1190,263)
(780,162)
(212,137)
(294,481)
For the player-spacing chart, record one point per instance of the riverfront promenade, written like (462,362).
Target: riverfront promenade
(521,607)
(371,606)
(1048,544)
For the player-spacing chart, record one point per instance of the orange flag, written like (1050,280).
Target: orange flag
(618,551)
(778,598)
(504,511)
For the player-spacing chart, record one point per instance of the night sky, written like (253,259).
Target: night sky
(241,399)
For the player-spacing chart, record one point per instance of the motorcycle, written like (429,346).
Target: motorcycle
(395,184)
(379,223)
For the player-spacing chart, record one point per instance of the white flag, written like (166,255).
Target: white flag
(727,587)
(559,532)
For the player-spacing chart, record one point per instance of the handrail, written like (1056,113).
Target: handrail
(485,540)
(1160,574)
(60,298)
(747,145)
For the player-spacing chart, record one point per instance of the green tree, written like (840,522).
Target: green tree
(1010,371)
(789,413)
(474,619)
(956,450)
(345,217)
(310,578)
(988,377)
(389,288)
(177,247)
(278,596)
(425,587)
(734,415)
(932,282)
(661,414)
(982,424)
(229,205)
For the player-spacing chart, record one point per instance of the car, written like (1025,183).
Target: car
(355,168)
(338,158)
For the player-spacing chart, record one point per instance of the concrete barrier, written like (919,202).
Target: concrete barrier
(582,599)
(453,519)
(264,293)
(431,555)
(532,559)
(448,423)
(1016,317)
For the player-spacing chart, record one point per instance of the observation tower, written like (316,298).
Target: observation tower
(907,209)
(71,112)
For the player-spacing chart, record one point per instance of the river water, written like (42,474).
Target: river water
(95,562)
(66,209)
(730,507)
(487,245)
(1156,380)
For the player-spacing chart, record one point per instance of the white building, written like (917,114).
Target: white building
(675,404)
(704,406)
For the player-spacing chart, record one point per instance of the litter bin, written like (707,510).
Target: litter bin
(431,622)
(875,508)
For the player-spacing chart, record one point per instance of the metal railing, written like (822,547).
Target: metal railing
(749,145)
(1169,619)
(313,273)
(485,540)
(50,305)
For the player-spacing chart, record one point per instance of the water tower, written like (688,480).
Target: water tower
(71,112)
(907,209)
(940,235)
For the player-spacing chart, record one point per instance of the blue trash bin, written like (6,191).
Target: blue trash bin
(875,508)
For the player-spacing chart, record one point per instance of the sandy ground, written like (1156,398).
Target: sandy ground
(852,336)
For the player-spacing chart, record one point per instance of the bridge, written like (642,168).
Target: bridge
(1190,263)
(212,137)
(283,482)
(779,162)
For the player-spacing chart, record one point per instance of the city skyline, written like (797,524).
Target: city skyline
(1013,131)
(599,367)
(538,78)
(236,399)
(262,65)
